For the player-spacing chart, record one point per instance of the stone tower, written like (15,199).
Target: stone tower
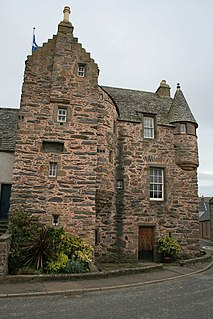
(55,157)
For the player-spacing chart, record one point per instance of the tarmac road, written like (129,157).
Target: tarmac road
(185,298)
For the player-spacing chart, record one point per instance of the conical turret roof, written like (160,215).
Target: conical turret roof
(180,110)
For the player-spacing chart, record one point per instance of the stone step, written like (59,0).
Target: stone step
(3,226)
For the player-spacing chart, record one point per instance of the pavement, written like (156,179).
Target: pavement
(75,285)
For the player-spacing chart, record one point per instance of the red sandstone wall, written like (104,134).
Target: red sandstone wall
(50,82)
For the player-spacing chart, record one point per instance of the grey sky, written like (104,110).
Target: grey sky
(136,44)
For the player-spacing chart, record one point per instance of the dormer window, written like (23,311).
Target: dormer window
(148,123)
(183,128)
(81,70)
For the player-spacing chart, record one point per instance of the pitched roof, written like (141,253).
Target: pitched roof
(204,213)
(131,103)
(8,127)
(180,110)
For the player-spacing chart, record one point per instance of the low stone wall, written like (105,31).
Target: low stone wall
(4,253)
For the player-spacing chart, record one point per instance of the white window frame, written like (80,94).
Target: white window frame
(149,127)
(81,71)
(53,169)
(156,189)
(183,128)
(62,115)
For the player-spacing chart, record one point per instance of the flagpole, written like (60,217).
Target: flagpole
(34,44)
(33,39)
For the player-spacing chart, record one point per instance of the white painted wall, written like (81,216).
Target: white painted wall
(6,167)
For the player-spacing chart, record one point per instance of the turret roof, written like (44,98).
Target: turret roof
(180,110)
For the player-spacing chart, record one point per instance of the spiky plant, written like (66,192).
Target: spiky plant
(39,249)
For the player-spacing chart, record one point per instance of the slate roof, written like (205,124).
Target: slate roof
(131,103)
(204,213)
(180,110)
(8,127)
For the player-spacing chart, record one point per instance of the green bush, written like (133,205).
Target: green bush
(36,247)
(58,265)
(76,266)
(169,246)
(22,226)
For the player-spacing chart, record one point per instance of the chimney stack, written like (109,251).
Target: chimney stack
(164,89)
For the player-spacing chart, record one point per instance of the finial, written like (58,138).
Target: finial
(66,14)
(178,85)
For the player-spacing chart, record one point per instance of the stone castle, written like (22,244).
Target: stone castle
(117,167)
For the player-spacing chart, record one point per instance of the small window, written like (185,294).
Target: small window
(100,150)
(55,219)
(81,70)
(62,115)
(97,236)
(183,128)
(53,169)
(148,127)
(156,183)
(119,184)
(114,126)
(111,156)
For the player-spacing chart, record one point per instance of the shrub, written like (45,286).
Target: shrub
(76,266)
(22,226)
(169,246)
(36,247)
(57,266)
(39,249)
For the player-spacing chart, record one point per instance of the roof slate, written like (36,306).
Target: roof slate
(180,110)
(133,102)
(8,128)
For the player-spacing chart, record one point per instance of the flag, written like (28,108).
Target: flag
(34,44)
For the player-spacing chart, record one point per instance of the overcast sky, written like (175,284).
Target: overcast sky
(136,44)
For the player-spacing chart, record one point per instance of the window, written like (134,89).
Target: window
(183,128)
(81,70)
(156,183)
(100,150)
(53,169)
(148,127)
(111,156)
(97,237)
(62,115)
(119,184)
(114,126)
(55,219)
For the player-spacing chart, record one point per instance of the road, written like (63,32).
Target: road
(187,298)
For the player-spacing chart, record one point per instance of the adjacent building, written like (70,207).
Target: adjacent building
(206,217)
(117,167)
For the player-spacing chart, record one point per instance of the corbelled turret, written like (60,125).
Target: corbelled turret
(185,132)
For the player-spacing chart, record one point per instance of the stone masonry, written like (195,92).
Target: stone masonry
(101,191)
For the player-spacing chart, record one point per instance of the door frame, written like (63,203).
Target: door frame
(146,225)
(4,217)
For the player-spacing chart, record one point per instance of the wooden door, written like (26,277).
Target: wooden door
(5,200)
(146,243)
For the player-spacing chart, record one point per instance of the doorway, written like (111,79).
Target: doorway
(146,243)
(5,200)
